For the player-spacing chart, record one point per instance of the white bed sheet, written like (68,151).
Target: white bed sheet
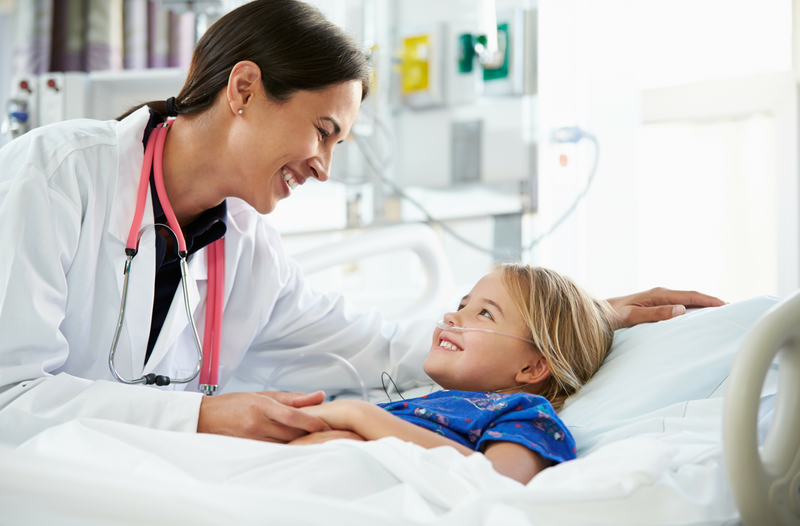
(102,472)
(663,466)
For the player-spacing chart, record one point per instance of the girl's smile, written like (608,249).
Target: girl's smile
(481,361)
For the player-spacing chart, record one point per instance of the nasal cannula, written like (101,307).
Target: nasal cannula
(455,328)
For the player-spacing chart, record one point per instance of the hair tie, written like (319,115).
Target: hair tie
(172,109)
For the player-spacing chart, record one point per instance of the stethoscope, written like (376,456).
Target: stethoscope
(207,353)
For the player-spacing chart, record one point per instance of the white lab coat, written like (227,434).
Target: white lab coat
(67,199)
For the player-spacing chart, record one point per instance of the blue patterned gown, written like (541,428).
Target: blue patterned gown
(475,418)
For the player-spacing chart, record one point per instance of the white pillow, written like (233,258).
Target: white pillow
(652,367)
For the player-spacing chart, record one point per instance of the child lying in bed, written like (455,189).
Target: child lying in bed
(521,342)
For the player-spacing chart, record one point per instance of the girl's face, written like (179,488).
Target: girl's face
(480,361)
(296,137)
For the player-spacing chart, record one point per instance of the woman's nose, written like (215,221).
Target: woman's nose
(320,168)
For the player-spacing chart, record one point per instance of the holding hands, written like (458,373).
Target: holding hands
(268,416)
(341,416)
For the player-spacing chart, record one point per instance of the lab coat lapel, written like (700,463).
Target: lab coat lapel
(177,321)
(139,308)
(141,291)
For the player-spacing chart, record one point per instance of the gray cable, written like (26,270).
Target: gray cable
(577,200)
(379,169)
(384,163)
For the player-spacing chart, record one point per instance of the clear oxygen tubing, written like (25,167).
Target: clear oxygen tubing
(455,328)
(330,357)
(560,135)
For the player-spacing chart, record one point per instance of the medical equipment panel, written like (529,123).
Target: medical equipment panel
(22,108)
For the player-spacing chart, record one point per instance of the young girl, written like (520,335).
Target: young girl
(521,342)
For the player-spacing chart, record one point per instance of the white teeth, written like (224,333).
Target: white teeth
(289,178)
(447,345)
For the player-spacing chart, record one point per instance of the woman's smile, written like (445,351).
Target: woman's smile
(292,179)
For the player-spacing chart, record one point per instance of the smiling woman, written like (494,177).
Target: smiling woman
(272,88)
(257,104)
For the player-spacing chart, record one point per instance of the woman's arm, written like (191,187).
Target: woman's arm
(372,422)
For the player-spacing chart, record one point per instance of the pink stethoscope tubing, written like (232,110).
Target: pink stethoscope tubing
(207,353)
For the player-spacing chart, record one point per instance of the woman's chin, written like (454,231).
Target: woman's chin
(265,207)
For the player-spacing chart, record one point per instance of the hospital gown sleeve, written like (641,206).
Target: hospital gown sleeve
(530,421)
(40,231)
(301,320)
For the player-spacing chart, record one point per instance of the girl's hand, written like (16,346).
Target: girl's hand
(658,304)
(340,414)
(325,436)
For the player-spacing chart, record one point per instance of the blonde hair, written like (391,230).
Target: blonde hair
(572,330)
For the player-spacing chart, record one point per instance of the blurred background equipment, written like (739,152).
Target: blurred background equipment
(486,120)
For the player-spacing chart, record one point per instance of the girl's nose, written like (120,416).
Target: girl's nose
(453,318)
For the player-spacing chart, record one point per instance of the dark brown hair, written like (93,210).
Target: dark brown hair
(292,43)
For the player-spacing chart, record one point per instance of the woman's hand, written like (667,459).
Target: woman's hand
(269,416)
(658,304)
(325,436)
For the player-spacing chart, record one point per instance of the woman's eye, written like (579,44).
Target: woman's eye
(486,313)
(323,133)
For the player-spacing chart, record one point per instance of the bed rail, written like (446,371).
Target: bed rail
(766,485)
(417,237)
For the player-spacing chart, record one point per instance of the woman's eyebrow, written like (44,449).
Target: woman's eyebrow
(336,128)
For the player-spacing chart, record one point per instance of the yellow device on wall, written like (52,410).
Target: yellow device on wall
(414,64)
(420,66)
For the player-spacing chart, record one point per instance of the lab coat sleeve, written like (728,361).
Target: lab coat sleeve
(303,321)
(41,218)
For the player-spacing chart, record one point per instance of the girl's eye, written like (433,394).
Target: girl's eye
(486,313)
(323,133)
(460,307)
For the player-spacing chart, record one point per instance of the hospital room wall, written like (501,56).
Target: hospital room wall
(6,47)
(708,224)
(421,166)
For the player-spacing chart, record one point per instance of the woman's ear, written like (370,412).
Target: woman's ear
(243,83)
(534,372)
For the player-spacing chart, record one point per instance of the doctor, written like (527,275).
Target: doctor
(272,88)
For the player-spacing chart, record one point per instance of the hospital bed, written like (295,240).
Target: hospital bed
(668,432)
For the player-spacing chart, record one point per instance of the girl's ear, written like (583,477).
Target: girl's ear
(534,372)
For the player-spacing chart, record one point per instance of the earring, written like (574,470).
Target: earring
(241,111)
